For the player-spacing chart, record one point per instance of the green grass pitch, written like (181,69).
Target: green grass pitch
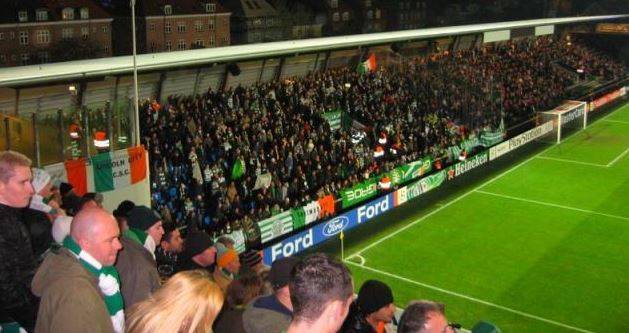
(536,242)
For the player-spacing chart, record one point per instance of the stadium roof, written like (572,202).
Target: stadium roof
(93,68)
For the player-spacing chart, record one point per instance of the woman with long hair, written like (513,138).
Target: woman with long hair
(188,303)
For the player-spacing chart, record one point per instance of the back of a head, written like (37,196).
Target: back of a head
(243,289)
(315,282)
(188,302)
(416,315)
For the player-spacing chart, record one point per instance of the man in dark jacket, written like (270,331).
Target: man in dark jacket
(199,252)
(17,261)
(167,253)
(136,261)
(272,313)
(372,310)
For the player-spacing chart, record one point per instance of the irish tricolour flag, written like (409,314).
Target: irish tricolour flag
(103,172)
(368,66)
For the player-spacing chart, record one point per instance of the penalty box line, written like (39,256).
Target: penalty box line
(470,298)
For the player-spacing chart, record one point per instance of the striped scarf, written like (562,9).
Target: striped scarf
(142,238)
(108,282)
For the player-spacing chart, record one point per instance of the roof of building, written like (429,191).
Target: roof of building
(11,8)
(179,7)
(250,8)
(93,68)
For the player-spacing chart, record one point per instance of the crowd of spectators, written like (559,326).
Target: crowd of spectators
(106,274)
(421,108)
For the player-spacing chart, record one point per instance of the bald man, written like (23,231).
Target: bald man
(75,281)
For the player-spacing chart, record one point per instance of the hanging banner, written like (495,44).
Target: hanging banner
(360,192)
(276,226)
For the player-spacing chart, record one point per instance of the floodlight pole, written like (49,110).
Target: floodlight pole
(136,114)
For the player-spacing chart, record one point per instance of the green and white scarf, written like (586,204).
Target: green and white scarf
(108,282)
(142,238)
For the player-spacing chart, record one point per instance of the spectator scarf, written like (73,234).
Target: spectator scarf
(108,282)
(142,237)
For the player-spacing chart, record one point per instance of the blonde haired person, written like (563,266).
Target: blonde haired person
(188,303)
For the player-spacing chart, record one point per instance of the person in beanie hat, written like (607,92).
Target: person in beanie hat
(274,312)
(69,200)
(199,252)
(227,266)
(122,212)
(136,261)
(372,310)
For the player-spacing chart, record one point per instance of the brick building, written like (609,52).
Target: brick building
(176,25)
(255,21)
(33,32)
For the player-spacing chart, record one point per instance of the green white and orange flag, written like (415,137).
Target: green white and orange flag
(119,169)
(368,66)
(103,172)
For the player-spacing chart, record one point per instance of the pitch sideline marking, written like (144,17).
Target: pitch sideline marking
(470,298)
(615,121)
(553,205)
(573,161)
(618,157)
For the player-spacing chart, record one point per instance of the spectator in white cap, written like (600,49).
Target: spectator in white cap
(43,213)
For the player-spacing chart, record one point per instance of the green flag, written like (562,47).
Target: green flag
(238,169)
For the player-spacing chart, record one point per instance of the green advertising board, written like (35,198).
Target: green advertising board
(359,193)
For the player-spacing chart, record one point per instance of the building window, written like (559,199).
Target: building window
(210,25)
(43,57)
(85,13)
(22,16)
(198,26)
(169,46)
(67,33)
(23,37)
(67,14)
(334,3)
(43,36)
(41,15)
(181,27)
(367,3)
(85,32)
(105,29)
(3,58)
(369,14)
(168,28)
(153,47)
(152,27)
(181,45)
(210,7)
(345,16)
(1,35)
(168,10)
(199,43)
(336,17)
(378,14)
(25,57)
(212,40)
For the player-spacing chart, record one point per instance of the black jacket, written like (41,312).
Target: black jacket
(355,322)
(17,264)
